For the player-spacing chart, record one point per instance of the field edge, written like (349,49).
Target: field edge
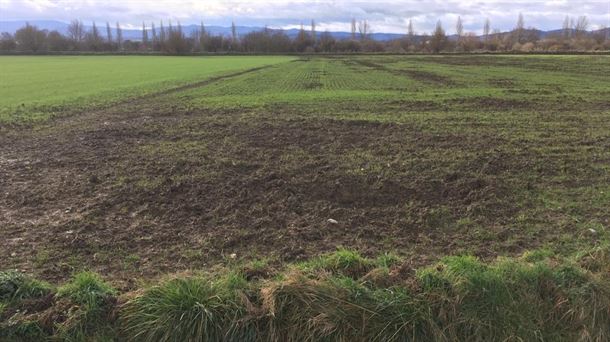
(337,296)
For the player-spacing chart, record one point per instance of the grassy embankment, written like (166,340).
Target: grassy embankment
(337,297)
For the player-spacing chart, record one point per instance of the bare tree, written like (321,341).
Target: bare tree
(459,27)
(327,42)
(176,42)
(459,31)
(574,35)
(119,36)
(95,32)
(518,32)
(76,31)
(179,27)
(364,29)
(582,23)
(302,42)
(495,41)
(169,39)
(600,35)
(7,42)
(57,42)
(30,38)
(566,28)
(439,39)
(520,22)
(94,39)
(184,46)
(196,40)
(486,30)
(410,33)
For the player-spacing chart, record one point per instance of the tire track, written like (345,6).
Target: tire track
(198,84)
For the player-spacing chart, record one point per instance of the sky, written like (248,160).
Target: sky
(383,16)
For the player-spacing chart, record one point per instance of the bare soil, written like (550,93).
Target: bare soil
(149,186)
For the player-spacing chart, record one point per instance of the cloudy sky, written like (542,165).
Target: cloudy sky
(384,16)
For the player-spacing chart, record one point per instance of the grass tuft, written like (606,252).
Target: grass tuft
(310,309)
(596,259)
(92,301)
(17,286)
(189,309)
(342,262)
(87,288)
(18,329)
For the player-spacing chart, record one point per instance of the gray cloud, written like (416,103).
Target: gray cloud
(384,16)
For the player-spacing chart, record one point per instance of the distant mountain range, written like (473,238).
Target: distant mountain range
(136,34)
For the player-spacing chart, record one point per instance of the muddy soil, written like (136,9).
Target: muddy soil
(149,186)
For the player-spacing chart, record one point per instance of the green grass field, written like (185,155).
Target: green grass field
(360,198)
(34,87)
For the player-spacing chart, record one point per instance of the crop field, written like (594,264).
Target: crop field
(36,87)
(139,167)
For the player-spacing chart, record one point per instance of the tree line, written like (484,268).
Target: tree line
(171,39)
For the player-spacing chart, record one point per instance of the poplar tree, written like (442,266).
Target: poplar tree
(119,36)
(144,35)
(486,29)
(233,33)
(153,31)
(161,35)
(202,36)
(459,28)
(108,33)
(410,32)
